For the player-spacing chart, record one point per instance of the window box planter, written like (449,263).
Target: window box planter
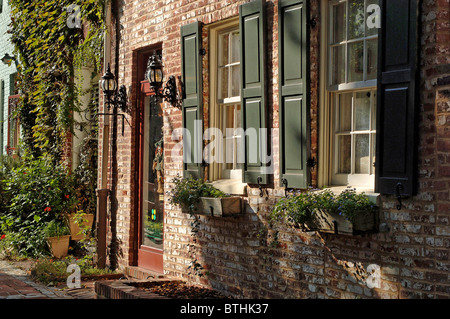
(59,246)
(196,197)
(329,222)
(344,213)
(220,207)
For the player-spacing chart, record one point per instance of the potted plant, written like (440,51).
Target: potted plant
(58,237)
(345,213)
(195,196)
(80,224)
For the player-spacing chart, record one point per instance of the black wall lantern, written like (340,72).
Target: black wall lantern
(113,97)
(7,59)
(155,76)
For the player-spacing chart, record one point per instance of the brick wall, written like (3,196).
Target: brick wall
(244,256)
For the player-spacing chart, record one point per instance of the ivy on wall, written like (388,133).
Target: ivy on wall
(53,39)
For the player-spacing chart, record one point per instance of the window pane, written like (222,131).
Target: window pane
(362,111)
(338,25)
(374,113)
(236,80)
(223,83)
(223,49)
(362,154)
(228,134)
(235,47)
(356,21)
(345,112)
(372,167)
(344,153)
(338,65)
(372,58)
(356,61)
(237,123)
(371,31)
(232,122)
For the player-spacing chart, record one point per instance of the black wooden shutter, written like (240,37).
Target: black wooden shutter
(191,76)
(293,39)
(397,105)
(253,90)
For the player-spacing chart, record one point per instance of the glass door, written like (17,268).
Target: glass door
(152,184)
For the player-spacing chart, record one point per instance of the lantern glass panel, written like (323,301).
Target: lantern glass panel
(109,85)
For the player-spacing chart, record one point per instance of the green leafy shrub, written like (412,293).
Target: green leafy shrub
(38,192)
(187,192)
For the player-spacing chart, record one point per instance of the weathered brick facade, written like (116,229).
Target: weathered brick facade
(245,257)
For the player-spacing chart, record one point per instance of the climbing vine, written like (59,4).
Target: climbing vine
(50,50)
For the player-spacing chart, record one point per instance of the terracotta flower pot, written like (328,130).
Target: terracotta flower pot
(76,229)
(59,246)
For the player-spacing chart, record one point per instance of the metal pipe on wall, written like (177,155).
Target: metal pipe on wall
(103,191)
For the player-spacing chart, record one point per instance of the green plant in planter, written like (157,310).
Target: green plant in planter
(187,192)
(350,204)
(299,209)
(296,210)
(56,228)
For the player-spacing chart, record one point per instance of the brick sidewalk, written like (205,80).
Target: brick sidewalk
(16,284)
(14,288)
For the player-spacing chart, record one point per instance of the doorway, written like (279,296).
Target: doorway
(151,203)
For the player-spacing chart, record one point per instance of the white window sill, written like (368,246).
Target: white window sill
(373,197)
(231,186)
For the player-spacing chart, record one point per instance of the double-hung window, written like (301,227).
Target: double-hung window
(352,73)
(225,102)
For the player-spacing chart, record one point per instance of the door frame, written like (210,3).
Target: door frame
(145,257)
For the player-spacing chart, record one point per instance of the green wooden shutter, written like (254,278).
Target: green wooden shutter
(294,114)
(191,76)
(396,155)
(253,91)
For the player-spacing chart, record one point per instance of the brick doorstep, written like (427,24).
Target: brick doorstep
(119,289)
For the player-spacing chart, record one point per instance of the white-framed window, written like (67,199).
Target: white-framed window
(354,137)
(350,94)
(225,105)
(352,50)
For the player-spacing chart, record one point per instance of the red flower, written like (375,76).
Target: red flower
(67,196)
(47,209)
(2,237)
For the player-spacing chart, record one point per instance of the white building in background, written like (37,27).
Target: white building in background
(7,84)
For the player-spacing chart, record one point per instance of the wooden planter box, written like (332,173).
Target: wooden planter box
(365,222)
(220,207)
(75,229)
(59,246)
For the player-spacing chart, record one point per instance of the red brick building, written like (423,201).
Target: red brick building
(334,86)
